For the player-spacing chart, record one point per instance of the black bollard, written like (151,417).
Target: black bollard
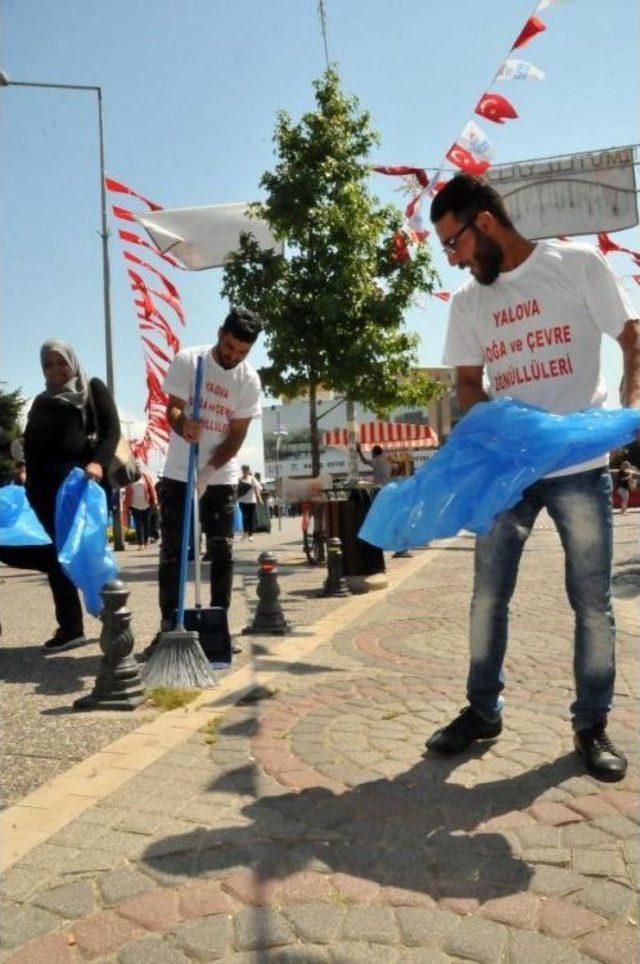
(269,619)
(335,584)
(118,685)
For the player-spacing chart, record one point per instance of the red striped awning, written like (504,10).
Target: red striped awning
(390,435)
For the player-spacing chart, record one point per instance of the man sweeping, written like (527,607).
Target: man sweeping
(229,399)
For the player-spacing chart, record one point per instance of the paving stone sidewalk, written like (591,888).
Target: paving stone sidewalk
(310,826)
(47,736)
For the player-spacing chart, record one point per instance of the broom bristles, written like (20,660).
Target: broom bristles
(179,661)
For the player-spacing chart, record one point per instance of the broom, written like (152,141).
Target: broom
(179,660)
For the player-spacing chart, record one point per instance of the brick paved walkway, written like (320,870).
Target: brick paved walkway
(310,827)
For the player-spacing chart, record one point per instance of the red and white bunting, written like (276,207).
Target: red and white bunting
(159,340)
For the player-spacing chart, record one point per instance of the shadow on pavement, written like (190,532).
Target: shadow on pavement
(415,832)
(625,583)
(52,675)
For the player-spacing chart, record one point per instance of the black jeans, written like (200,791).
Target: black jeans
(142,523)
(248,512)
(217,508)
(65,595)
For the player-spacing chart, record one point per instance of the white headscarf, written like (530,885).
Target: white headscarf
(76,391)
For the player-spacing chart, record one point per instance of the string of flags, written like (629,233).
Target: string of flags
(160,342)
(608,247)
(472,151)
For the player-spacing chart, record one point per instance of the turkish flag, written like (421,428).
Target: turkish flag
(442,295)
(120,188)
(171,288)
(532,27)
(466,161)
(606,245)
(400,248)
(402,170)
(495,108)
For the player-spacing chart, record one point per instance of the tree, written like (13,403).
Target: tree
(334,307)
(11,404)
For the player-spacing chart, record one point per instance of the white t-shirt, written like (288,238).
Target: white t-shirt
(537,330)
(381,469)
(250,497)
(139,496)
(226,394)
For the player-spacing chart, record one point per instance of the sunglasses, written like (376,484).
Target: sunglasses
(451,244)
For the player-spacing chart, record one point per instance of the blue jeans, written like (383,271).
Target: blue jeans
(580,506)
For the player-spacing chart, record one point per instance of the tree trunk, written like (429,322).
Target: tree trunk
(353,469)
(313,425)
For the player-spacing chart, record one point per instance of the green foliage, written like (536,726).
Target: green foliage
(166,698)
(334,306)
(11,405)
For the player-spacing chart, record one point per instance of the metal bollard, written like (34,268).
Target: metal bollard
(335,584)
(268,619)
(118,685)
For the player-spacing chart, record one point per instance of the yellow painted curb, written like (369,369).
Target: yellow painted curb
(48,809)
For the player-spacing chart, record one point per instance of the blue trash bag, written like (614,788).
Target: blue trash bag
(81,537)
(496,451)
(19,525)
(237,519)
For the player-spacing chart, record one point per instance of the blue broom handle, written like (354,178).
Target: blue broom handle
(188,498)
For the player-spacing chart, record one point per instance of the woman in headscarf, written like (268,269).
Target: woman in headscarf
(72,423)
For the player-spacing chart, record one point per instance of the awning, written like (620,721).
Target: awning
(389,435)
(203,237)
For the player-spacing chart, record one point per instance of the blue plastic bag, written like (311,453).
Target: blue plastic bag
(81,537)
(19,525)
(237,519)
(496,451)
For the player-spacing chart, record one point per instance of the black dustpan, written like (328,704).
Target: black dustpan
(211,624)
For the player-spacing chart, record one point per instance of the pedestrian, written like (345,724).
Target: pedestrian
(249,496)
(230,399)
(140,499)
(381,465)
(626,480)
(531,321)
(72,423)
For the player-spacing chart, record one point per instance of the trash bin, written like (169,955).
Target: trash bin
(344,514)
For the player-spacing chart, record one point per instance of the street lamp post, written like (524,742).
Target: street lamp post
(104,234)
(279,432)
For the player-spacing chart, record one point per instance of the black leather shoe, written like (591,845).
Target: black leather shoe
(468,727)
(601,757)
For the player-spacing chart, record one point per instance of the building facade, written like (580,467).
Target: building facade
(286,435)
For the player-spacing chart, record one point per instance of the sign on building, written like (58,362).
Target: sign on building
(572,194)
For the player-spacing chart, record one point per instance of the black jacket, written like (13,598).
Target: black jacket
(56,438)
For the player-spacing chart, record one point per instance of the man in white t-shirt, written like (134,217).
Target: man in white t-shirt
(530,322)
(229,399)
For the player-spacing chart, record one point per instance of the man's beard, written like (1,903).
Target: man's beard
(227,365)
(488,259)
(222,361)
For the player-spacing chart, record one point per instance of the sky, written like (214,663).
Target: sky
(191,91)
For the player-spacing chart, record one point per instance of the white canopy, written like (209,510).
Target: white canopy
(202,237)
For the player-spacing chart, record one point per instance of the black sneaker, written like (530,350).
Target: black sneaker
(148,650)
(463,731)
(601,757)
(61,641)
